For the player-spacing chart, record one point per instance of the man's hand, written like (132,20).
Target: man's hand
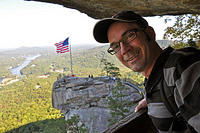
(141,104)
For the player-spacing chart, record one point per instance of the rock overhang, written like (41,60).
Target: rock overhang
(105,8)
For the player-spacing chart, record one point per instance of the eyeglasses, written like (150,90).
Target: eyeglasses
(127,37)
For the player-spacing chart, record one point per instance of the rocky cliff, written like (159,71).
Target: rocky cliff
(87,98)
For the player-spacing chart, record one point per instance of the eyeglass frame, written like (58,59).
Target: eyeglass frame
(122,40)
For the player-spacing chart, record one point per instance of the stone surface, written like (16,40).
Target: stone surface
(106,8)
(87,97)
(94,117)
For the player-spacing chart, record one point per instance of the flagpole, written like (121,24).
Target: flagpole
(71,58)
(65,46)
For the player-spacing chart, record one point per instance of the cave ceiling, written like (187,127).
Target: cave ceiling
(105,8)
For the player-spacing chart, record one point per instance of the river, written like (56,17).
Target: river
(17,70)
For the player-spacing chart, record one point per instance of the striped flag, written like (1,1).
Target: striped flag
(63,46)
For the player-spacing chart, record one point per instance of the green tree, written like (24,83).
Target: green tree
(75,126)
(110,69)
(185,31)
(117,103)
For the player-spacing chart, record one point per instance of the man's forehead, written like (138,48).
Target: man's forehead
(118,29)
(121,27)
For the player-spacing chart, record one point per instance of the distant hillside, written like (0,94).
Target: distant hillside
(26,51)
(40,50)
(87,56)
(84,46)
(85,62)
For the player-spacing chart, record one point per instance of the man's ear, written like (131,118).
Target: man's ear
(151,33)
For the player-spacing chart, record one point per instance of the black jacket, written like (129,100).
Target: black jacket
(177,71)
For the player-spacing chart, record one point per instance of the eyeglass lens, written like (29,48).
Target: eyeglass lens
(126,39)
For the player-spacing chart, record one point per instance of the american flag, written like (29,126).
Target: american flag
(63,46)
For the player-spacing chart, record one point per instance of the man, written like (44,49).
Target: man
(133,42)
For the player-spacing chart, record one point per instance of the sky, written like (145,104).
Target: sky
(29,23)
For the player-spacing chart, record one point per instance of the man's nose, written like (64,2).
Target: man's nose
(124,48)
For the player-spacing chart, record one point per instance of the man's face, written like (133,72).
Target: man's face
(135,55)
